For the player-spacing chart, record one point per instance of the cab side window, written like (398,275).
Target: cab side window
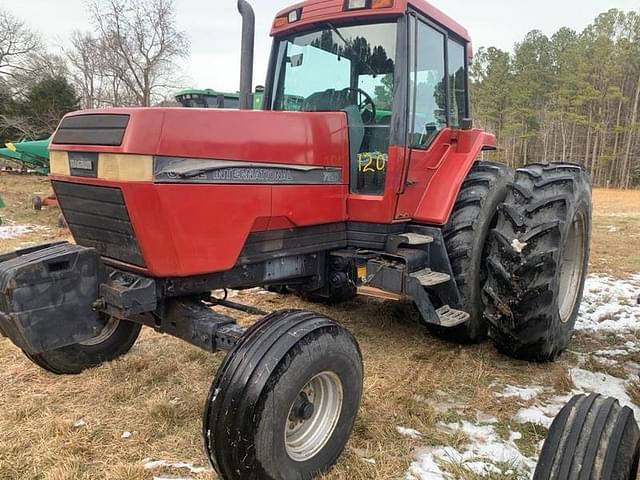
(427,85)
(457,83)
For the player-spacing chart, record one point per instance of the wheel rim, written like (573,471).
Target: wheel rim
(105,333)
(309,429)
(572,268)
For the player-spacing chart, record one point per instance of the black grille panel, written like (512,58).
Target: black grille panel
(98,218)
(92,129)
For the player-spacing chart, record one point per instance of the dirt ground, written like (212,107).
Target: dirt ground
(420,393)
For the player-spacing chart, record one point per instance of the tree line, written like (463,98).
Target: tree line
(572,97)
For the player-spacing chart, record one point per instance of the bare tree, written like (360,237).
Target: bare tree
(16,43)
(139,44)
(85,61)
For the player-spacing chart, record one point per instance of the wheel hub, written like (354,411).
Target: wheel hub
(313,416)
(110,326)
(302,409)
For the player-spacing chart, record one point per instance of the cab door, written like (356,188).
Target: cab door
(438,101)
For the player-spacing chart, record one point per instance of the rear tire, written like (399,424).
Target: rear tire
(285,399)
(538,260)
(473,217)
(115,340)
(592,438)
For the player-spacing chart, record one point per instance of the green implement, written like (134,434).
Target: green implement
(32,155)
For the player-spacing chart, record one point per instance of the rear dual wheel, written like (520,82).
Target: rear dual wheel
(537,261)
(284,401)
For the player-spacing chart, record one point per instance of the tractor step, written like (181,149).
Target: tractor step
(411,239)
(429,278)
(450,317)
(416,239)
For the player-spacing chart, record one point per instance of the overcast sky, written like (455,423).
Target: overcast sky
(213,27)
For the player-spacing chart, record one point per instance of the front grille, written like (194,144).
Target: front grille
(98,218)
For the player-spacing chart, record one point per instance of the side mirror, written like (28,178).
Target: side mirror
(296,60)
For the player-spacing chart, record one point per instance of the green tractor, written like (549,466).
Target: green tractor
(209,98)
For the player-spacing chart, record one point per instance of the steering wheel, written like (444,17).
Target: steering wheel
(365,104)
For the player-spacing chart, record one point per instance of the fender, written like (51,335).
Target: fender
(441,184)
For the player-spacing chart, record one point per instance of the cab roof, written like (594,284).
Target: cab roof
(317,11)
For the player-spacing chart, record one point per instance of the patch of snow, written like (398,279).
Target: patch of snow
(482,417)
(79,423)
(595,382)
(480,456)
(409,432)
(610,305)
(610,353)
(585,382)
(7,232)
(150,464)
(545,413)
(426,467)
(524,393)
(446,406)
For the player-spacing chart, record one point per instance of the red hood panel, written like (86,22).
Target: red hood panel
(262,136)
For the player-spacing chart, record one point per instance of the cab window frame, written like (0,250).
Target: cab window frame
(414,18)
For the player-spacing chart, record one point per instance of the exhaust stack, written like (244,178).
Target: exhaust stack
(246,55)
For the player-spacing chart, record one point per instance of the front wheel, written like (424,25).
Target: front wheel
(592,438)
(285,399)
(116,339)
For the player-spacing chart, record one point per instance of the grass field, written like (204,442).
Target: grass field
(64,428)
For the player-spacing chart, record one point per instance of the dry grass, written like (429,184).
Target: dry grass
(158,390)
(616,232)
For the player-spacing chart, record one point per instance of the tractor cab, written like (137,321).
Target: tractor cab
(398,69)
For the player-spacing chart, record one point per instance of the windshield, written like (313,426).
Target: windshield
(348,69)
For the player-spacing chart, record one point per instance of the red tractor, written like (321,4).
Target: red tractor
(360,171)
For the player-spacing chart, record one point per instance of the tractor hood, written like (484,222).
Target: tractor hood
(178,192)
(189,139)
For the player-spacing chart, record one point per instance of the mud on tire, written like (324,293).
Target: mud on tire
(537,261)
(473,217)
(592,438)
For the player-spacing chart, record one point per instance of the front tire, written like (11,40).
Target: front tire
(592,438)
(538,260)
(473,217)
(284,402)
(115,340)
